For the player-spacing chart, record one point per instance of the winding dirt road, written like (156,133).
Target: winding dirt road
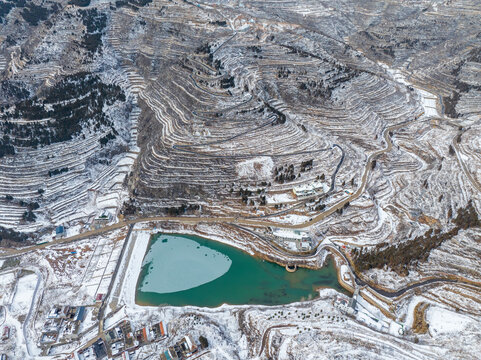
(227,219)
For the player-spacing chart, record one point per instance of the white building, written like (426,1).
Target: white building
(295,240)
(310,189)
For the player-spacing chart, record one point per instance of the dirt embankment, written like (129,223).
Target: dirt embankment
(420,326)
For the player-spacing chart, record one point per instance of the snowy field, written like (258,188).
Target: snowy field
(7,283)
(445,322)
(23,294)
(280,198)
(257,168)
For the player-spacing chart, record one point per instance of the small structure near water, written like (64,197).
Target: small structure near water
(291,268)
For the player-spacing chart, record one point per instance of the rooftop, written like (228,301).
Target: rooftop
(291,234)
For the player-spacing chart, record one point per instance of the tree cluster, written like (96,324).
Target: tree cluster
(33,14)
(244,194)
(283,72)
(450,102)
(306,165)
(283,174)
(222,23)
(403,256)
(5,147)
(95,23)
(281,118)
(182,209)
(129,208)
(110,136)
(11,89)
(226,83)
(6,6)
(73,102)
(330,80)
(12,235)
(57,171)
(29,216)
(81,3)
(203,342)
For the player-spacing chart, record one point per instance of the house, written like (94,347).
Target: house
(141,336)
(103,219)
(157,330)
(116,348)
(305,245)
(313,188)
(60,232)
(5,333)
(55,312)
(172,353)
(353,300)
(291,235)
(52,325)
(343,304)
(49,337)
(80,314)
(303,191)
(126,329)
(191,346)
(99,349)
(69,330)
(295,240)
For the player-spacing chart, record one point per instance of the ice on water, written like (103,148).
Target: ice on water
(180,264)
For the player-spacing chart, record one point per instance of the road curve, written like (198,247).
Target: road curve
(227,219)
(267,332)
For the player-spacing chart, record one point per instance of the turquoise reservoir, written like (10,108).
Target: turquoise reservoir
(184,270)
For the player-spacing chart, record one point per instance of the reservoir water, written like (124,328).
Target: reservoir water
(184,270)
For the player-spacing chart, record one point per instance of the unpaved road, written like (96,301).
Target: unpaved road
(228,219)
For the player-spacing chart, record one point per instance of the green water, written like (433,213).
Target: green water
(215,273)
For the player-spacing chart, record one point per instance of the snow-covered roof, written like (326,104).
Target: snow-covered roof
(291,234)
(310,188)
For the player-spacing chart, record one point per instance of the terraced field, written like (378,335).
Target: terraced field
(206,116)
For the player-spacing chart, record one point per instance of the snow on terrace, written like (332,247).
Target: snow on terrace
(292,219)
(428,100)
(257,168)
(87,187)
(7,282)
(445,322)
(279,198)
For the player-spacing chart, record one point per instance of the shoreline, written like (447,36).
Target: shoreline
(149,235)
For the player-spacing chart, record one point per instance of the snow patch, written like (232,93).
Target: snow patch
(256,168)
(280,198)
(141,239)
(443,321)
